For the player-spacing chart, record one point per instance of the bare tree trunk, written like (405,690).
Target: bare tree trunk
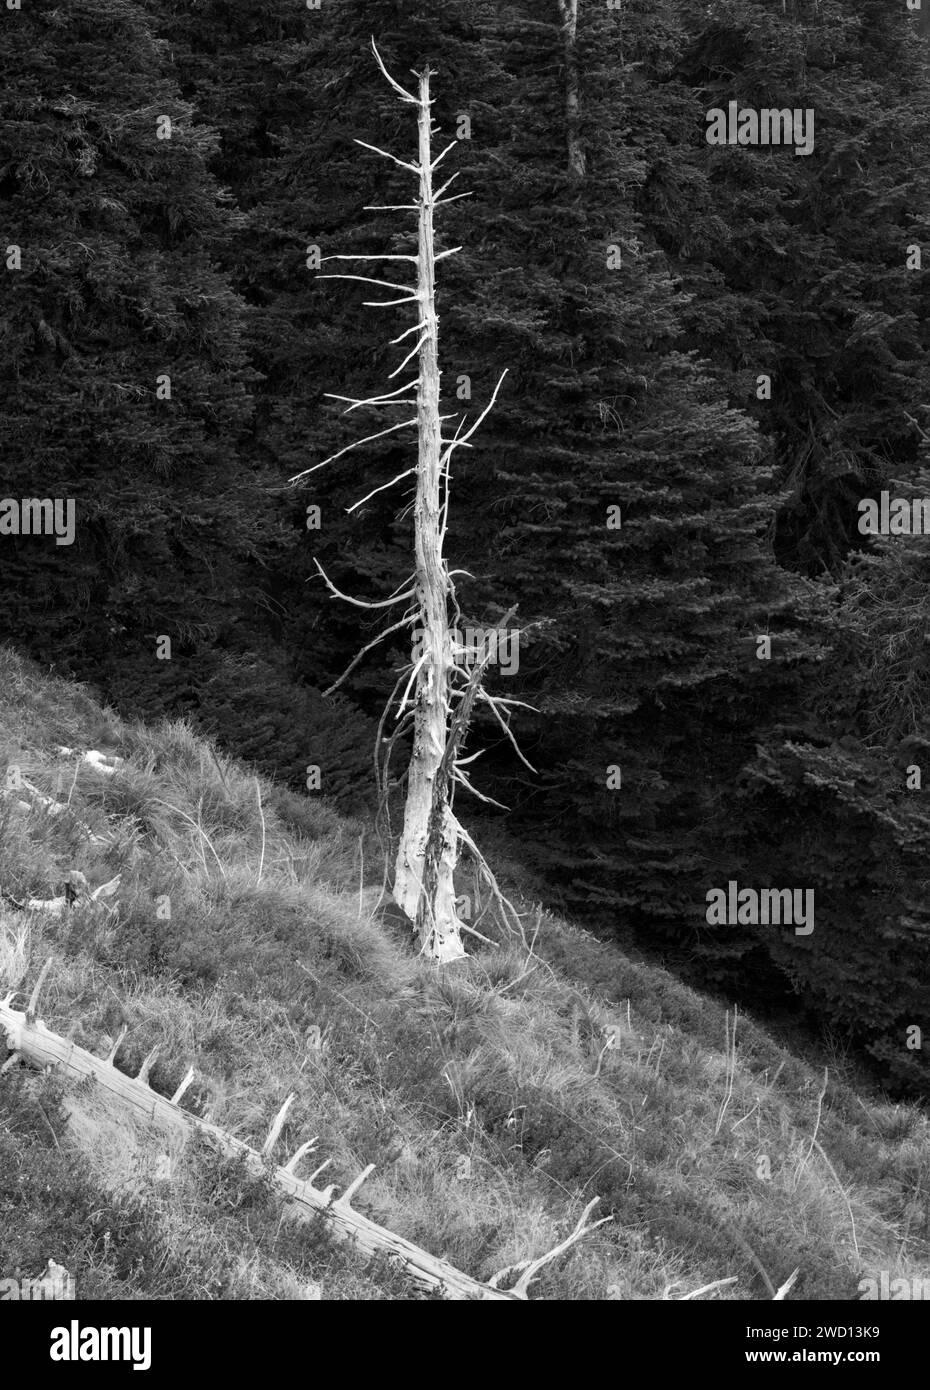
(426,858)
(430,833)
(568,13)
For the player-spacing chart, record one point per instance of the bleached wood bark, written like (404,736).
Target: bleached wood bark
(107,763)
(428,850)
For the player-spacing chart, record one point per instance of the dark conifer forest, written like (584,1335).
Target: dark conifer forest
(704,485)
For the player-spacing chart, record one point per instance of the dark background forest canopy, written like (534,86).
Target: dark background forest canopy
(633,385)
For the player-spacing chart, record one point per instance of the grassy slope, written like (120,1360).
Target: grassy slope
(483,1094)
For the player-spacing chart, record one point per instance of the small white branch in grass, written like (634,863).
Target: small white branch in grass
(361,603)
(383,488)
(787,1286)
(367,280)
(102,762)
(414,168)
(183,1087)
(277,1125)
(317,1171)
(463,926)
(346,1198)
(111,1055)
(532,1267)
(730,1073)
(308,1147)
(610,1044)
(199,828)
(37,990)
(356,445)
(261,862)
(705,1288)
(54,808)
(852,1221)
(106,890)
(147,1065)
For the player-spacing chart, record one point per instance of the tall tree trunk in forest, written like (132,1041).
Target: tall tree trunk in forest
(568,13)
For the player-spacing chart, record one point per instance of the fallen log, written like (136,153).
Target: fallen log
(29,1039)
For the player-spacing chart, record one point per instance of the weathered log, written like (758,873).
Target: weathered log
(40,1047)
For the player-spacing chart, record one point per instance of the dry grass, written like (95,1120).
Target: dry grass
(495,1099)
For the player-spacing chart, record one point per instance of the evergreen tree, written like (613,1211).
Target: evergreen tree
(799,264)
(123,348)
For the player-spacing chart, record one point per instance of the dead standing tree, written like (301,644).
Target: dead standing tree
(440,692)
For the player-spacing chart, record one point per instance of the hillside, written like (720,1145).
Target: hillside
(495,1098)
